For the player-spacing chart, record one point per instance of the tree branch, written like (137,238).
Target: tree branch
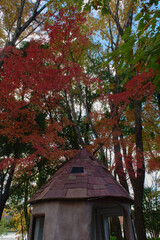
(117,8)
(115,17)
(111,35)
(20,12)
(29,33)
(75,121)
(21,29)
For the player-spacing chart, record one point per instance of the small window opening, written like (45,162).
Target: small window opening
(77,170)
(38,223)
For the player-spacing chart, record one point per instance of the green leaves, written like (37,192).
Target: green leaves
(3,226)
(126,34)
(139,50)
(97,5)
(151,208)
(87,7)
(104,11)
(138,16)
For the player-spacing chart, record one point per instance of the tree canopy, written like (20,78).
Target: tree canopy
(89,78)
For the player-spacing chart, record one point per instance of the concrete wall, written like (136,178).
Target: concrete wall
(65,220)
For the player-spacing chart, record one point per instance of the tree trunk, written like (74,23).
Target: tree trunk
(7,181)
(85,105)
(138,212)
(25,206)
(5,188)
(139,181)
(118,161)
(119,168)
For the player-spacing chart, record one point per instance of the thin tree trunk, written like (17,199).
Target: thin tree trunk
(139,182)
(119,168)
(69,109)
(4,195)
(6,184)
(91,124)
(79,138)
(25,206)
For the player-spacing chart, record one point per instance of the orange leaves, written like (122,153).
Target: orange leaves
(154,163)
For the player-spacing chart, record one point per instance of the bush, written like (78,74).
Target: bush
(3,226)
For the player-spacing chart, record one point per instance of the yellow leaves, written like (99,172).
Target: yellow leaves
(129,116)
(107,25)
(18,220)
(5,214)
(2,35)
(98,24)
(10,10)
(11,14)
(125,7)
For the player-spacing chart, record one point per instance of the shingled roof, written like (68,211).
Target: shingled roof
(82,177)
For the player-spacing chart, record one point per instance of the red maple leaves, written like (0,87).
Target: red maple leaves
(141,85)
(31,83)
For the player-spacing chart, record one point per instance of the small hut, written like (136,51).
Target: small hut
(78,202)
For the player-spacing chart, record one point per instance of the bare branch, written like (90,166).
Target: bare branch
(111,35)
(102,144)
(117,41)
(115,18)
(36,6)
(29,33)
(21,29)
(117,8)
(129,19)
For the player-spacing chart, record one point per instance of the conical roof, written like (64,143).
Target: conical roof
(82,177)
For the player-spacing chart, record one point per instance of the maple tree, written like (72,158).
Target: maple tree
(31,83)
(21,19)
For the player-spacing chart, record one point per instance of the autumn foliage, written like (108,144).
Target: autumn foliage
(31,83)
(57,95)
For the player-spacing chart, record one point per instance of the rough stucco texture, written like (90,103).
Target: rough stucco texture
(65,220)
